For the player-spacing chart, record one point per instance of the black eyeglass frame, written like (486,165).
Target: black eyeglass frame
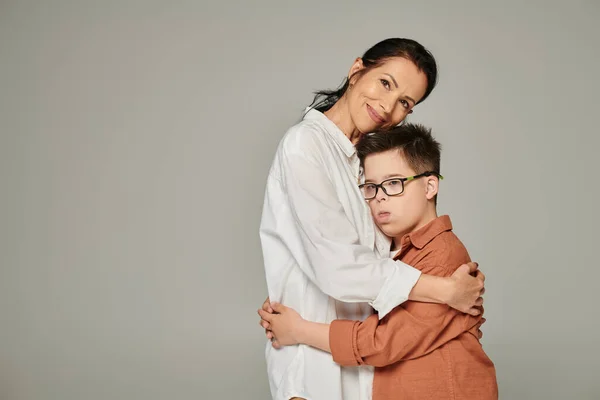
(403,180)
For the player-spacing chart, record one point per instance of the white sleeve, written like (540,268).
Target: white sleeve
(331,254)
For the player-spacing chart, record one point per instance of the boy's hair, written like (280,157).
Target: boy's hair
(420,150)
(414,141)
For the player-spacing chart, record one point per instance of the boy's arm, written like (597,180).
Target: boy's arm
(408,332)
(314,334)
(289,328)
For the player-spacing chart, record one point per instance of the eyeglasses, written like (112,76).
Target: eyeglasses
(392,186)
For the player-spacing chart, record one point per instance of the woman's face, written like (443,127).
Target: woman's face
(382,97)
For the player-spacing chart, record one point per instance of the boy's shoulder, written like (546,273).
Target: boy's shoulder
(438,249)
(447,247)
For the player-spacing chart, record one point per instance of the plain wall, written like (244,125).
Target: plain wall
(135,141)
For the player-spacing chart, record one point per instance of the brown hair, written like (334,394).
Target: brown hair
(421,151)
(414,141)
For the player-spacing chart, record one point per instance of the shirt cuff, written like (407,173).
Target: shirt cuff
(342,342)
(396,289)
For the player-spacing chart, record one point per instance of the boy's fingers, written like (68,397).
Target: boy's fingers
(278,308)
(264,324)
(265,315)
(267,306)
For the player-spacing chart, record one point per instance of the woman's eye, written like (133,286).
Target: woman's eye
(385,83)
(404,103)
(394,182)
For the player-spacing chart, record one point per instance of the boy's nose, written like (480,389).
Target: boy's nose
(381,195)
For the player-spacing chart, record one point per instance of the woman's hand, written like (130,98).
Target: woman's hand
(284,324)
(467,289)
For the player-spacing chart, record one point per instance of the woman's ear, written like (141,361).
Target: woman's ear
(356,67)
(431,190)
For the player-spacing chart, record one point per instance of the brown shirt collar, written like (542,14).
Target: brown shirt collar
(426,234)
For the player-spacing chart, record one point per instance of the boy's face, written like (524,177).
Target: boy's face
(401,214)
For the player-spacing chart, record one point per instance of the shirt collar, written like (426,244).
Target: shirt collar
(333,130)
(421,237)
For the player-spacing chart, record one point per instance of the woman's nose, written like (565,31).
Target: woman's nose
(387,104)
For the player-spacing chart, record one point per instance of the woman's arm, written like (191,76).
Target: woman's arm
(326,244)
(457,291)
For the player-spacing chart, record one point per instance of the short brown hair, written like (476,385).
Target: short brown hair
(415,142)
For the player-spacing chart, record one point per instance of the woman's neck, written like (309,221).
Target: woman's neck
(339,115)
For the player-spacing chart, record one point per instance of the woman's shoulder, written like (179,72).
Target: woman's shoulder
(305,136)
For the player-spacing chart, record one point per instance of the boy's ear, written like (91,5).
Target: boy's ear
(432,187)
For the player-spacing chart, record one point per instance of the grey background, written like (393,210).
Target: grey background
(135,142)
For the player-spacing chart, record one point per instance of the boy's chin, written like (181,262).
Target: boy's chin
(390,231)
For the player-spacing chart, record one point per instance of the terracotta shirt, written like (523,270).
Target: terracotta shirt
(422,350)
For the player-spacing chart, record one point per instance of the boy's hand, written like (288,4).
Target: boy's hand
(267,308)
(467,288)
(284,324)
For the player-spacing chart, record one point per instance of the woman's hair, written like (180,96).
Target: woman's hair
(377,55)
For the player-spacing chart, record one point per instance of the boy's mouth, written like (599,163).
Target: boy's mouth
(382,216)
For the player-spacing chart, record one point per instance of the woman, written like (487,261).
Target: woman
(323,255)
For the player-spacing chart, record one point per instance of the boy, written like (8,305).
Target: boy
(422,350)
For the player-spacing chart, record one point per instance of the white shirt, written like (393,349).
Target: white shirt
(323,256)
